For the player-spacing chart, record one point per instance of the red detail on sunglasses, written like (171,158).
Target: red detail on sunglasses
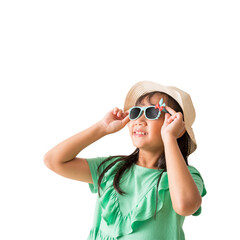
(158,106)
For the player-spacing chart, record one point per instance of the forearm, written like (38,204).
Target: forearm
(71,147)
(183,190)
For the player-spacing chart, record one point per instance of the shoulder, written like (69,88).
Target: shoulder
(193,169)
(102,163)
(110,160)
(197,177)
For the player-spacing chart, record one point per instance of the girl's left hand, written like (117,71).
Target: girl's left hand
(174,125)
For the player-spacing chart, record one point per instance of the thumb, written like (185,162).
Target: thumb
(125,121)
(167,116)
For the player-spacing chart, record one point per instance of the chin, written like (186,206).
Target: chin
(141,146)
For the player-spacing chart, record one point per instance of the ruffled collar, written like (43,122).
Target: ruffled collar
(143,210)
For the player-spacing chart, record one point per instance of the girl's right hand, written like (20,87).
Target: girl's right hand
(115,120)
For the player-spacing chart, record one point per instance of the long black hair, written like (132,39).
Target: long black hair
(126,162)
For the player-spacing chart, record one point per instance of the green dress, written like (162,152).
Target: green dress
(131,216)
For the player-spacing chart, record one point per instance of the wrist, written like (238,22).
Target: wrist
(101,128)
(168,138)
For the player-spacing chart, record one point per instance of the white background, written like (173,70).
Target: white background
(64,64)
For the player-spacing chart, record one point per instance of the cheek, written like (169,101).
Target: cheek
(155,128)
(157,124)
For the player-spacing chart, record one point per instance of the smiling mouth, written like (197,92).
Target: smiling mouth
(137,133)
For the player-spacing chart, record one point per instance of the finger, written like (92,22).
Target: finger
(125,120)
(119,113)
(172,118)
(170,110)
(115,110)
(166,117)
(125,114)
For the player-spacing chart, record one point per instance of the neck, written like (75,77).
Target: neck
(148,159)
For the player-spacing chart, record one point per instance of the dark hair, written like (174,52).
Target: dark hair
(126,162)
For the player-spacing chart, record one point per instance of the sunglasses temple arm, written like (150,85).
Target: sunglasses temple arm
(164,110)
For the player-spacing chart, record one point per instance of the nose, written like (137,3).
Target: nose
(141,120)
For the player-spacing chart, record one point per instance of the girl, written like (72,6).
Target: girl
(147,194)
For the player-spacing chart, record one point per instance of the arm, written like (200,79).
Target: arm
(185,196)
(62,158)
(68,149)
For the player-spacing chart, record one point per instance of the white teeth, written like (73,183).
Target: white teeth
(142,133)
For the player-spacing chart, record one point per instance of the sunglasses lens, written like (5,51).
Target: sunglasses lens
(152,112)
(134,113)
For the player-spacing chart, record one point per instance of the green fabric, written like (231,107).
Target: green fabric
(131,216)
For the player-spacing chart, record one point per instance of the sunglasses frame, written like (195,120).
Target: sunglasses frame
(160,106)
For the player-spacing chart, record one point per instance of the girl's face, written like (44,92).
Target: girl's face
(145,133)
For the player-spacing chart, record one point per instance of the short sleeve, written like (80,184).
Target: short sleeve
(93,165)
(200,185)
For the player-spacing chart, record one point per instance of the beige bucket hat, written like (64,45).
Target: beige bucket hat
(179,95)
